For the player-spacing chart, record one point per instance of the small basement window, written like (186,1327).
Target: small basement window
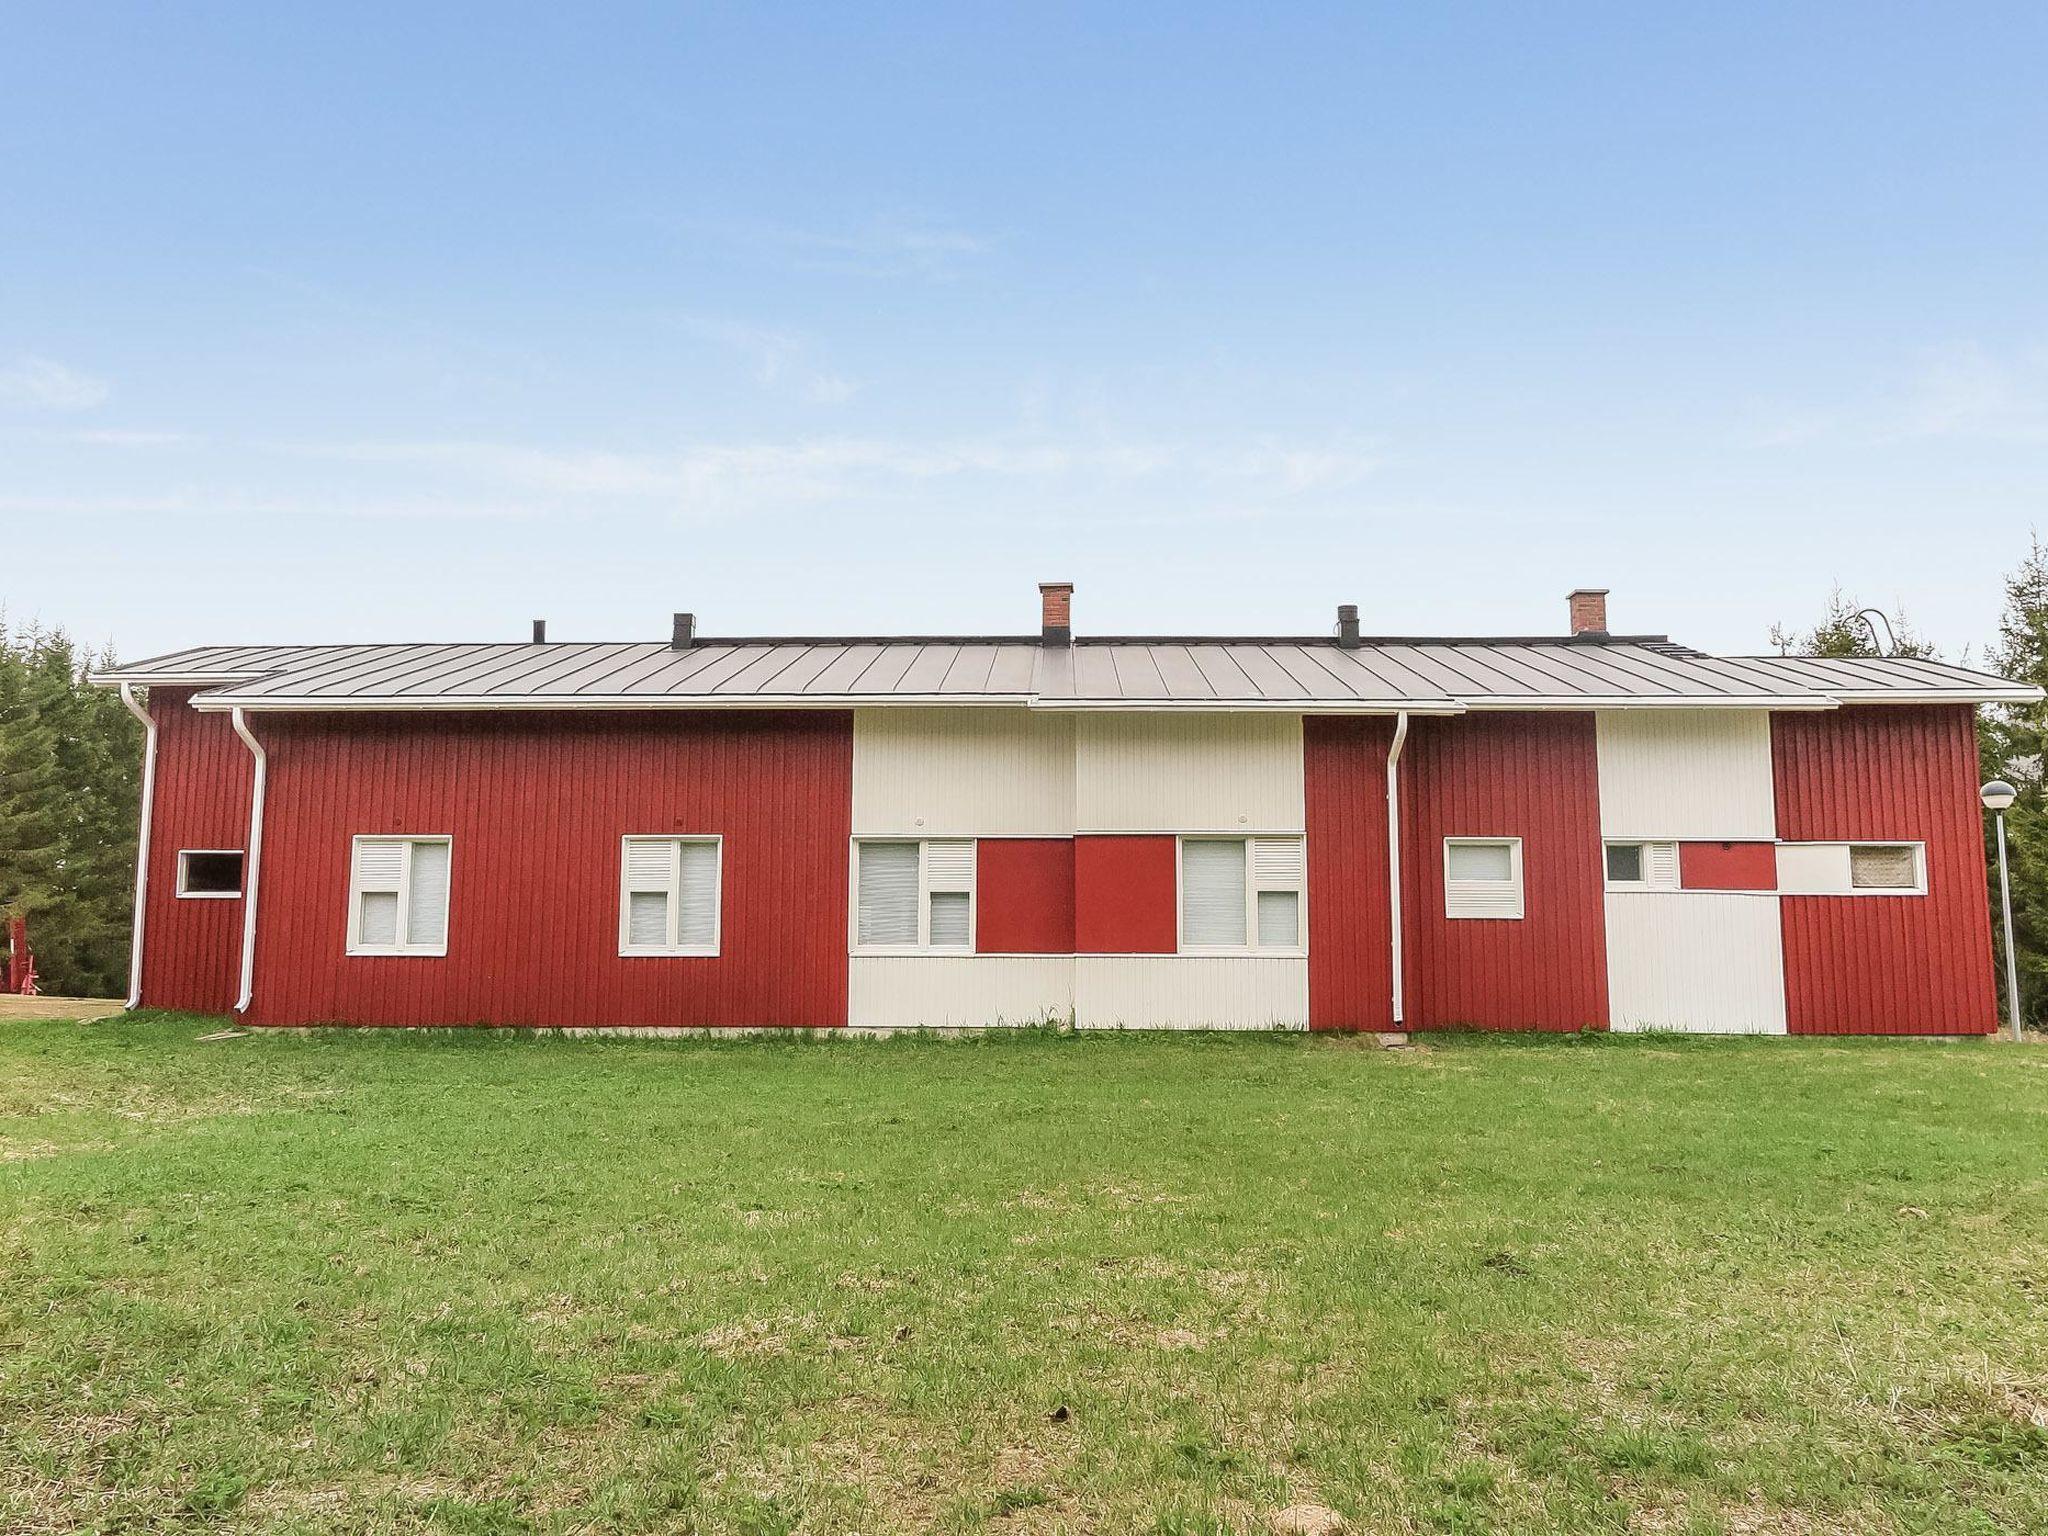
(209,872)
(1483,877)
(1884,867)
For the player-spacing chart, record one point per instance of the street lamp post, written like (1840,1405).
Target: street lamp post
(1997,795)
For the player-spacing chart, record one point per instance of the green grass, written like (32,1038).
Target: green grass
(468,1283)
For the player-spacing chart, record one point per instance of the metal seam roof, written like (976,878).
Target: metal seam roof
(1189,672)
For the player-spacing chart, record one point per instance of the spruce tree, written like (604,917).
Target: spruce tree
(2009,743)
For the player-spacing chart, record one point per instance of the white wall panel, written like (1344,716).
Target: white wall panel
(1813,869)
(963,772)
(1187,992)
(1188,773)
(958,991)
(1705,961)
(1703,773)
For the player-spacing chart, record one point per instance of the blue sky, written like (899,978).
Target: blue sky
(408,322)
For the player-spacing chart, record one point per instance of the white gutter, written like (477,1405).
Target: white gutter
(141,842)
(1394,852)
(254,863)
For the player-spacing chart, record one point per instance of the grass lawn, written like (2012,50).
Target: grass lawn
(468,1283)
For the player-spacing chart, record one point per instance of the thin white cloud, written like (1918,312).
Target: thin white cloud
(50,386)
(1965,392)
(118,437)
(779,360)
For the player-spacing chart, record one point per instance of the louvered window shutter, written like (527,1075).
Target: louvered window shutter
(650,886)
(949,883)
(380,867)
(887,900)
(1481,879)
(1277,876)
(1660,866)
(697,911)
(426,907)
(1212,893)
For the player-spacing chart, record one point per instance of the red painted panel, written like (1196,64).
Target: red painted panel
(1728,866)
(536,804)
(1126,891)
(192,947)
(1533,776)
(1344,761)
(1887,964)
(1024,896)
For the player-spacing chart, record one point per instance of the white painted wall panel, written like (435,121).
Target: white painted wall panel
(1189,992)
(958,991)
(1813,869)
(963,772)
(1188,773)
(1710,962)
(1678,773)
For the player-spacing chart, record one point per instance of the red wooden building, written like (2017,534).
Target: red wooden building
(1339,832)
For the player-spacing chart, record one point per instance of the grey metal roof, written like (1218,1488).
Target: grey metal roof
(1274,673)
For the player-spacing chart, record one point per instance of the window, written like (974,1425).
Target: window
(398,896)
(1643,866)
(1884,867)
(914,894)
(669,895)
(1483,877)
(209,872)
(1240,893)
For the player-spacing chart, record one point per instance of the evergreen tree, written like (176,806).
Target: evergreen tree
(2009,743)
(1843,633)
(69,782)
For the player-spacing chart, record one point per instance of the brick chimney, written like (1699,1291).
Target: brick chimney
(1347,626)
(682,632)
(1589,611)
(1056,612)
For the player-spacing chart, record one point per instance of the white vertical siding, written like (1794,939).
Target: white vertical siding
(1190,992)
(1710,962)
(958,991)
(1188,773)
(1679,773)
(962,772)
(1705,961)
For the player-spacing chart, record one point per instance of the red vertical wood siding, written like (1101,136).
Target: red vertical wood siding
(537,804)
(192,947)
(1024,896)
(1728,866)
(1532,776)
(1350,932)
(1126,896)
(1887,964)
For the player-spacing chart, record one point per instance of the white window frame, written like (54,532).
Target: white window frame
(1919,852)
(1252,888)
(355,895)
(234,895)
(1649,880)
(924,945)
(1514,847)
(631,951)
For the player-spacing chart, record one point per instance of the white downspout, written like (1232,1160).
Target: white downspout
(255,860)
(141,842)
(1394,851)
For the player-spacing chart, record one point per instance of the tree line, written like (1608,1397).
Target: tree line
(70,783)
(71,770)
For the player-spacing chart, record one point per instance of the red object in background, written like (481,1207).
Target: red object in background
(21,966)
(1126,895)
(1728,866)
(1912,965)
(1024,896)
